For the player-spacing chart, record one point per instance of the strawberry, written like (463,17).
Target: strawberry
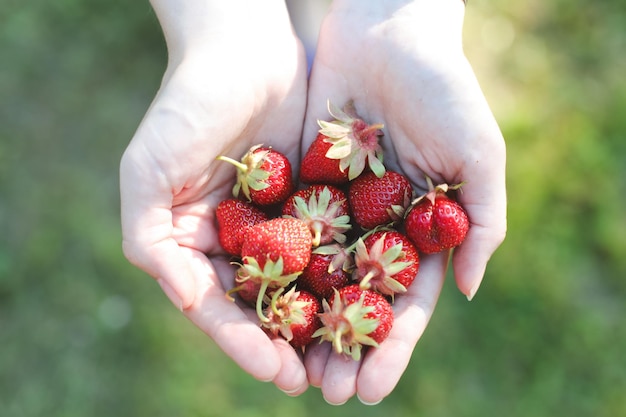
(273,254)
(326,271)
(247,290)
(234,218)
(324,209)
(342,149)
(386,261)
(264,176)
(380,201)
(435,222)
(294,316)
(353,318)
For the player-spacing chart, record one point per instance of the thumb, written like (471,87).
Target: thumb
(484,199)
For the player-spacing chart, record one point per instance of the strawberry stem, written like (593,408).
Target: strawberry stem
(429,182)
(317,233)
(229,297)
(372,129)
(365,281)
(241,166)
(274,301)
(259,301)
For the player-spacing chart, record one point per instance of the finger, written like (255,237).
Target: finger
(291,378)
(339,381)
(484,198)
(227,324)
(382,367)
(146,212)
(315,359)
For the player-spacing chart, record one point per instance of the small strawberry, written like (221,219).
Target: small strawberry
(247,290)
(264,176)
(273,254)
(342,149)
(234,218)
(353,318)
(324,209)
(380,201)
(386,261)
(435,222)
(293,315)
(327,270)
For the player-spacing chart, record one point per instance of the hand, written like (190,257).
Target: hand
(402,63)
(236,77)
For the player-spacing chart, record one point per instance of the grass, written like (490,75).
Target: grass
(85,333)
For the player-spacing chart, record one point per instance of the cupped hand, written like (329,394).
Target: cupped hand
(236,77)
(402,63)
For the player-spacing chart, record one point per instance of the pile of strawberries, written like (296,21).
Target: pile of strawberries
(325,258)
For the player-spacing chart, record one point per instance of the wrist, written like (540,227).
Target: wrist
(192,23)
(423,24)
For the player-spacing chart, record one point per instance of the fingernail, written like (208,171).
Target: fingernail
(332,403)
(473,291)
(290,391)
(171,294)
(368,403)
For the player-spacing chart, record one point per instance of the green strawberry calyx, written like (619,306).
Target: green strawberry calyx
(354,142)
(347,326)
(269,276)
(250,175)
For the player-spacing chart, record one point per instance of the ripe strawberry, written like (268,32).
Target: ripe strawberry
(324,209)
(355,317)
(326,271)
(294,315)
(386,261)
(247,290)
(380,201)
(342,149)
(274,253)
(234,218)
(264,176)
(435,222)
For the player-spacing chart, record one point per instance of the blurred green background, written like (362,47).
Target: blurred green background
(83,333)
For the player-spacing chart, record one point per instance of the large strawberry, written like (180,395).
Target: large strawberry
(327,270)
(380,201)
(386,261)
(234,219)
(293,315)
(342,149)
(435,222)
(324,209)
(353,318)
(273,254)
(264,176)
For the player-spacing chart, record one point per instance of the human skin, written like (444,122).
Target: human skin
(232,81)
(236,77)
(402,63)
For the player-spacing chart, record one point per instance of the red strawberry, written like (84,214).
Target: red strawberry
(435,222)
(324,209)
(326,271)
(294,315)
(386,261)
(274,253)
(353,318)
(247,290)
(342,149)
(379,201)
(263,176)
(234,218)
